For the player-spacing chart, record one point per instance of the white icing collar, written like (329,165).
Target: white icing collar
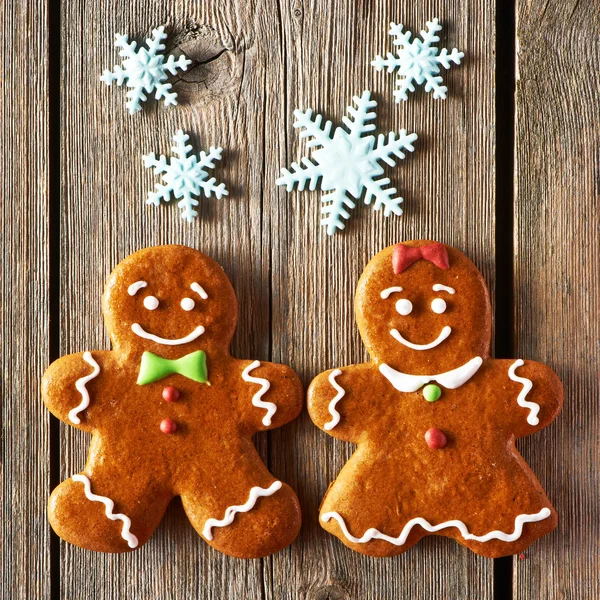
(451,379)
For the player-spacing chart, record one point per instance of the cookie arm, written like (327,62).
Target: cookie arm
(340,401)
(539,399)
(272,395)
(67,387)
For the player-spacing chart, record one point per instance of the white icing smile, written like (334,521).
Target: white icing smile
(446,331)
(139,331)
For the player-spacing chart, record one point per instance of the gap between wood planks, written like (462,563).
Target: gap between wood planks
(504,233)
(54,145)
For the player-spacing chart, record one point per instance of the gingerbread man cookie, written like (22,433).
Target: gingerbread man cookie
(435,418)
(171,413)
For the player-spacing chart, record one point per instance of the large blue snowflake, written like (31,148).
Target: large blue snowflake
(349,163)
(184,176)
(145,70)
(418,61)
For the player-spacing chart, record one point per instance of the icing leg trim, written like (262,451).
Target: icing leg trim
(340,394)
(126,534)
(533,407)
(375,534)
(80,385)
(231,511)
(256,399)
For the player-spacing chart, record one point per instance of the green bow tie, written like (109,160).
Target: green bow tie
(192,366)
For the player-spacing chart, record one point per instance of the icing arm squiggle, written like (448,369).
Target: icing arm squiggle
(256,399)
(375,534)
(80,385)
(533,407)
(335,415)
(126,534)
(231,511)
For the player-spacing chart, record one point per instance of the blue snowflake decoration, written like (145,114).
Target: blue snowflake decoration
(347,164)
(145,70)
(184,176)
(418,61)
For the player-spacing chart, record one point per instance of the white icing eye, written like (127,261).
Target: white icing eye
(438,306)
(150,302)
(187,304)
(404,307)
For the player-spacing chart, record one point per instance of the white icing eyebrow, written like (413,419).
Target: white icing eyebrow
(386,293)
(438,287)
(196,287)
(134,288)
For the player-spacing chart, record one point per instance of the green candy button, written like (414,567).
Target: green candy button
(431,392)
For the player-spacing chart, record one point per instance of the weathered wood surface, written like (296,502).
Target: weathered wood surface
(253,64)
(557,280)
(24,299)
(294,284)
(448,186)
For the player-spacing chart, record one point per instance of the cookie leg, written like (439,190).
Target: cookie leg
(246,512)
(105,512)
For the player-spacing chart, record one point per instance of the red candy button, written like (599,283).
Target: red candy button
(170,394)
(168,426)
(435,438)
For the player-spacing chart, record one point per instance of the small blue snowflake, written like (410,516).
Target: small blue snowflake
(145,70)
(348,163)
(418,61)
(184,176)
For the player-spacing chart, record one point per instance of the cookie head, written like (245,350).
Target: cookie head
(423,308)
(169,300)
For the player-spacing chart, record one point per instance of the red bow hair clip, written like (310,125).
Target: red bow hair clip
(404,256)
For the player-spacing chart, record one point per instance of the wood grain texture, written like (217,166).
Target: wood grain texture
(448,186)
(105,218)
(24,299)
(254,63)
(557,280)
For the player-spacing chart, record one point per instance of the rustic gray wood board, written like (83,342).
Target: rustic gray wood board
(295,285)
(557,281)
(448,186)
(24,296)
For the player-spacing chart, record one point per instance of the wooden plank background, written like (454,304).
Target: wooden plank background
(25,300)
(254,62)
(557,279)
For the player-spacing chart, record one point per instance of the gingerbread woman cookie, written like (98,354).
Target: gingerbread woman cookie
(171,413)
(435,418)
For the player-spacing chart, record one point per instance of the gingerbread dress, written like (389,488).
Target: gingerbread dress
(435,418)
(171,413)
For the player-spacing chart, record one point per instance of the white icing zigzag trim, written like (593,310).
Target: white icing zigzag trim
(126,534)
(340,394)
(375,534)
(231,511)
(534,408)
(80,385)
(256,399)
